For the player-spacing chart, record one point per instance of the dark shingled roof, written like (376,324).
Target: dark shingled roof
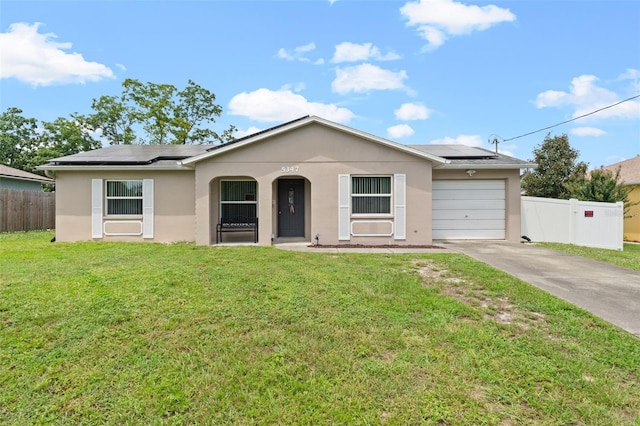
(132,155)
(141,155)
(168,155)
(467,155)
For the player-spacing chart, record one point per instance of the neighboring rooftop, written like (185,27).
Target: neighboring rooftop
(629,170)
(6,171)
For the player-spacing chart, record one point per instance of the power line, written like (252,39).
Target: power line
(565,122)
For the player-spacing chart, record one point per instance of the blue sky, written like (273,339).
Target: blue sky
(416,72)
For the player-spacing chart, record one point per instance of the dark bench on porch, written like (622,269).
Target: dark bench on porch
(237,224)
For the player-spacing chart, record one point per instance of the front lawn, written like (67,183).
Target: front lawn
(629,257)
(94,333)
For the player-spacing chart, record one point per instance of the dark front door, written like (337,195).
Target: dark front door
(291,208)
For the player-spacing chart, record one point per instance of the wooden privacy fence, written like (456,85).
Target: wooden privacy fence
(27,210)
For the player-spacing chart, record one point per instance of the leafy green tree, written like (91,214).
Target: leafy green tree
(604,186)
(163,113)
(19,139)
(115,119)
(557,171)
(60,138)
(25,145)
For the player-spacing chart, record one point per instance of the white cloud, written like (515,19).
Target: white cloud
(38,59)
(353,52)
(629,74)
(587,131)
(437,19)
(412,111)
(468,140)
(282,54)
(298,53)
(400,131)
(283,105)
(250,131)
(584,96)
(366,77)
(434,37)
(633,75)
(305,48)
(298,87)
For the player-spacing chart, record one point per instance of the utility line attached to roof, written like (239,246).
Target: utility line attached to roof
(496,137)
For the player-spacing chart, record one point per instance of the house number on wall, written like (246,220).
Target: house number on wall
(289,169)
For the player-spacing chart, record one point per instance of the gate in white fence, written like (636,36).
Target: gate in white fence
(583,223)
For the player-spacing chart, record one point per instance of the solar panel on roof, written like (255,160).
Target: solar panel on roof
(455,151)
(134,154)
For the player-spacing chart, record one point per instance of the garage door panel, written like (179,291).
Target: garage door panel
(468,184)
(468,214)
(468,234)
(468,194)
(470,224)
(468,209)
(467,205)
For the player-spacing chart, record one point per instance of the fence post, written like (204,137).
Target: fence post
(620,225)
(573,220)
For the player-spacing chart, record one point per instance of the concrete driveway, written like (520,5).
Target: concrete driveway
(610,292)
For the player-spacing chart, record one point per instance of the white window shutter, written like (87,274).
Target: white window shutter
(400,213)
(344,207)
(96,208)
(147,208)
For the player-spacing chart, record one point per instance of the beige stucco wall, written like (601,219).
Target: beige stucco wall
(174,205)
(512,188)
(317,154)
(632,223)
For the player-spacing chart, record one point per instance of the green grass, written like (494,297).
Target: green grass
(629,257)
(108,333)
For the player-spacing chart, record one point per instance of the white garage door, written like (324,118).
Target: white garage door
(468,209)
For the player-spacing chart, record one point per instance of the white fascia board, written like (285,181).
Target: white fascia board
(487,166)
(304,122)
(75,168)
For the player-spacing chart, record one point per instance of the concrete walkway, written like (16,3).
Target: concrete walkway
(607,291)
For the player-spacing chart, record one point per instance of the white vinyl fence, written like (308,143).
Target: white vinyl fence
(583,223)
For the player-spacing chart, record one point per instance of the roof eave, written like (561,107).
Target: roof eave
(42,180)
(111,167)
(487,166)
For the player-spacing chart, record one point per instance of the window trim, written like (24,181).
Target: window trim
(390,195)
(107,198)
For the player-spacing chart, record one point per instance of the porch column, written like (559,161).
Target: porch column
(203,211)
(266,203)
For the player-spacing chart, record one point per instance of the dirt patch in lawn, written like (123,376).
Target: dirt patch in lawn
(496,308)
